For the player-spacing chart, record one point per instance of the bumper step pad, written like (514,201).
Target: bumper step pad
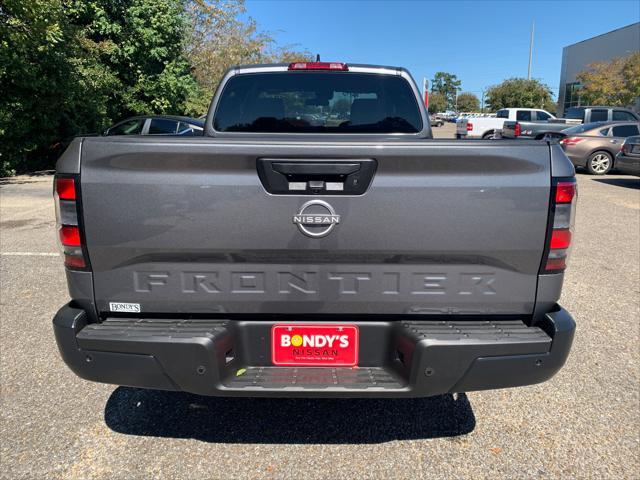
(316,378)
(397,358)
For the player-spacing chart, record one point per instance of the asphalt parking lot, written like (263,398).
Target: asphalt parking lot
(583,423)
(448,130)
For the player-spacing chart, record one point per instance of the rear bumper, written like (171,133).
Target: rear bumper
(627,164)
(399,358)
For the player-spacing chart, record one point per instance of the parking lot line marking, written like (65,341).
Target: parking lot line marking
(29,254)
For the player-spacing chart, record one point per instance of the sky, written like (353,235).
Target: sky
(482,42)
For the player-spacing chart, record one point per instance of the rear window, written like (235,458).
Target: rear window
(582,128)
(162,126)
(129,127)
(318,102)
(599,115)
(523,116)
(502,114)
(621,115)
(542,116)
(575,113)
(624,130)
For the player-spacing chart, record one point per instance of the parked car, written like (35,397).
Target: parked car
(140,125)
(575,115)
(594,145)
(628,158)
(487,127)
(452,117)
(436,121)
(276,257)
(601,114)
(157,125)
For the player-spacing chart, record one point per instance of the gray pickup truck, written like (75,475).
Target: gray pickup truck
(315,242)
(575,115)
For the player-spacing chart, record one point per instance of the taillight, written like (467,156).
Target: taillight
(561,220)
(469,126)
(70,236)
(66,188)
(570,141)
(517,130)
(319,66)
(560,238)
(565,192)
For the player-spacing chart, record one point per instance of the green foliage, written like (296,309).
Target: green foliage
(437,102)
(219,37)
(70,67)
(468,102)
(446,84)
(519,92)
(33,37)
(615,83)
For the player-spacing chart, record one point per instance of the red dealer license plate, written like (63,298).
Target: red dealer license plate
(314,345)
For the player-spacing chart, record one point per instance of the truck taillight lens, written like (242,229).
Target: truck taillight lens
(469,126)
(66,188)
(564,195)
(565,192)
(70,235)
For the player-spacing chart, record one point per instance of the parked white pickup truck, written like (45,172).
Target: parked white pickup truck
(486,127)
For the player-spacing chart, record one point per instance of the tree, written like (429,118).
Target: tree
(437,102)
(221,36)
(36,76)
(448,85)
(140,42)
(70,67)
(615,83)
(519,92)
(73,66)
(468,102)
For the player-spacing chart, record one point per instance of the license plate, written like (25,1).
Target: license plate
(635,149)
(314,345)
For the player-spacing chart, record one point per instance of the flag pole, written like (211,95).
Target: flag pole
(533,26)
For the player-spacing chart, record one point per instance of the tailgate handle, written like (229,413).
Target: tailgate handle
(316,169)
(324,176)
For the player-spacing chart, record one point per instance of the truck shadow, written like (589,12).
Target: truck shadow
(630,182)
(134,411)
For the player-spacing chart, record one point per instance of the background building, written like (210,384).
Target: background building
(603,48)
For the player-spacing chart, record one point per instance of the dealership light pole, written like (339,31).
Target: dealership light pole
(533,26)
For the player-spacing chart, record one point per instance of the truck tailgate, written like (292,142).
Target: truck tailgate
(186,226)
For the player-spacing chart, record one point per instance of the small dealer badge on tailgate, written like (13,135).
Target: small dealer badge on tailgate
(124,307)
